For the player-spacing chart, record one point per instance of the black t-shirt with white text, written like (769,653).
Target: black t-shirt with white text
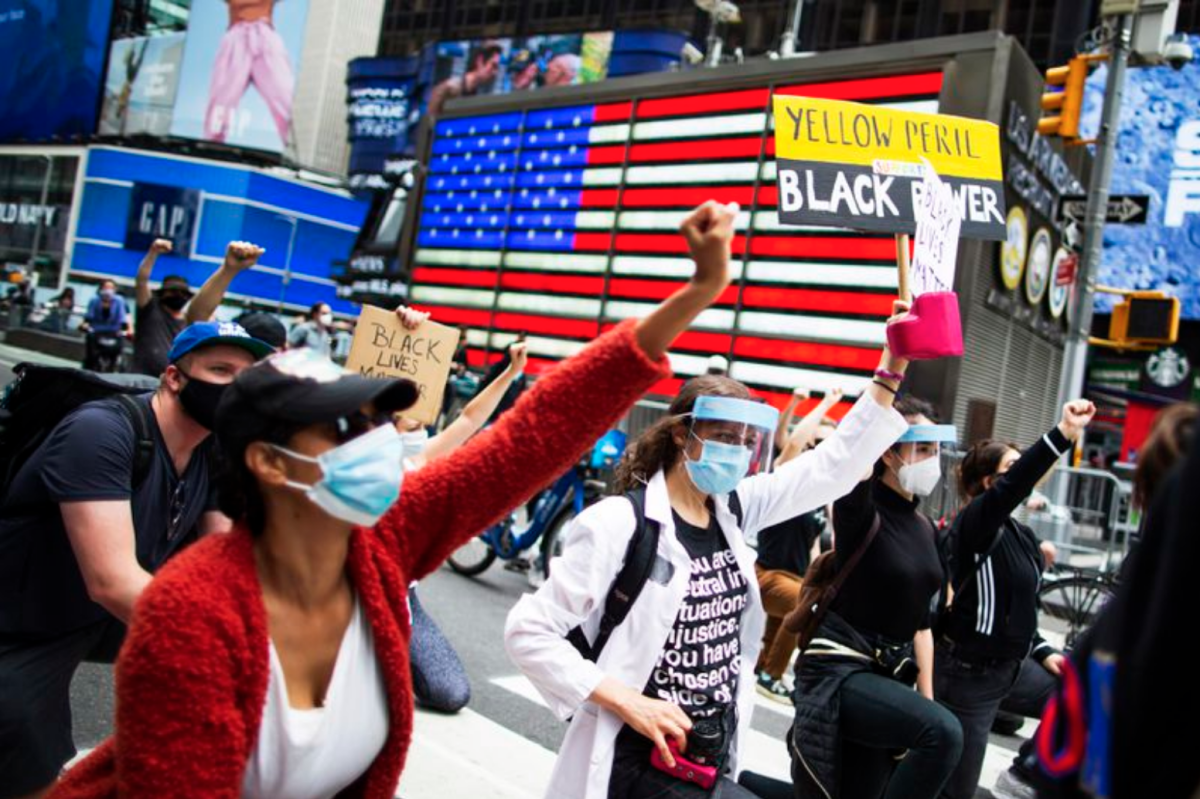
(698,669)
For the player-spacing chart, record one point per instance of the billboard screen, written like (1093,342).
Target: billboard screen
(131,197)
(54,59)
(1158,154)
(142,83)
(562,221)
(499,66)
(239,72)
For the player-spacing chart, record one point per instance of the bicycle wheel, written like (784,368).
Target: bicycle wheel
(552,541)
(1070,605)
(472,558)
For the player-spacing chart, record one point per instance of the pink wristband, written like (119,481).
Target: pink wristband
(889,375)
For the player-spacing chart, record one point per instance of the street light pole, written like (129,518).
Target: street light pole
(41,215)
(287,267)
(1075,354)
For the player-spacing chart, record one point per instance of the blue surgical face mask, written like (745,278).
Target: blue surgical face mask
(360,479)
(719,468)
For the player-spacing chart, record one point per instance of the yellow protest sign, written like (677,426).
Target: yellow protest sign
(861,166)
(383,347)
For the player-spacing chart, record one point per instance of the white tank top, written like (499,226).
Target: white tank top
(313,754)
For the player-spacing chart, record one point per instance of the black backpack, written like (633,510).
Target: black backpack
(42,396)
(635,572)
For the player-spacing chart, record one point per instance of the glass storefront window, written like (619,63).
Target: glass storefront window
(35,211)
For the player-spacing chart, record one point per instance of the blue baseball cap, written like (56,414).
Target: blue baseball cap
(210,334)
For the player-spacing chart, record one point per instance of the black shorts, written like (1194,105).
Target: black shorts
(35,701)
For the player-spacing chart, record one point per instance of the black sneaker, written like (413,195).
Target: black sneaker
(773,689)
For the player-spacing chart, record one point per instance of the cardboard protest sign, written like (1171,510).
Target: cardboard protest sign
(860,166)
(383,347)
(938,223)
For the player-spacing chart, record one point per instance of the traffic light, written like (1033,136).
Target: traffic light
(1145,318)
(1067,101)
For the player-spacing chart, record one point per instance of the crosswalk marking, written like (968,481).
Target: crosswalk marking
(469,755)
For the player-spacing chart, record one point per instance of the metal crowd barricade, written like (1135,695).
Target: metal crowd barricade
(1087,516)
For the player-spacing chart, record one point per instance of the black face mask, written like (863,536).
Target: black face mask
(200,399)
(174,301)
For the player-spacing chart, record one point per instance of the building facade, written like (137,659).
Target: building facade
(1045,29)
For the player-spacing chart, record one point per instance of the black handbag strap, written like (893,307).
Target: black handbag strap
(844,573)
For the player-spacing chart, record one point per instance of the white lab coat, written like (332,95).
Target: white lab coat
(535,635)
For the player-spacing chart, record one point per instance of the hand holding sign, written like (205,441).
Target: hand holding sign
(939,221)
(405,344)
(933,327)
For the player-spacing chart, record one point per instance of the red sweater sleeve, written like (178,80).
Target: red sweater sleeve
(444,504)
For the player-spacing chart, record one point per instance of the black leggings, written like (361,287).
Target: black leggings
(879,719)
(439,679)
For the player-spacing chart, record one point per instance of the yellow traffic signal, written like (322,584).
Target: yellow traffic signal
(1145,318)
(1068,101)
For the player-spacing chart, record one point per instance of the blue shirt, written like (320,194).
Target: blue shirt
(110,320)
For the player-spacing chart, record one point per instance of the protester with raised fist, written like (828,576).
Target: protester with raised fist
(660,694)
(990,625)
(855,704)
(226,685)
(159,318)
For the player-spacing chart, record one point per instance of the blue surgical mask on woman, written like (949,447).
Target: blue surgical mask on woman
(360,479)
(719,468)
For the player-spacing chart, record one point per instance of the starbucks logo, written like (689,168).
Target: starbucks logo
(1167,368)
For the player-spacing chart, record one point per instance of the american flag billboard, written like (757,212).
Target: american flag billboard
(561,221)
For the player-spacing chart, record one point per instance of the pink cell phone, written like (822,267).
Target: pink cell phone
(686,770)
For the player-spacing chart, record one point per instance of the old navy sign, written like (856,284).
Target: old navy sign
(162,212)
(859,166)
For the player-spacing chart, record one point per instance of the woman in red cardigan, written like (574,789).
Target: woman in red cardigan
(274,661)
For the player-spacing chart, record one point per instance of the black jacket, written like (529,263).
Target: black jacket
(838,651)
(1145,633)
(994,615)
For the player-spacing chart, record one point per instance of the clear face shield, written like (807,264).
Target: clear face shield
(922,459)
(728,440)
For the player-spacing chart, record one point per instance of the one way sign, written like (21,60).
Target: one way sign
(1123,209)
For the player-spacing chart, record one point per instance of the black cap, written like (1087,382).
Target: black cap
(300,388)
(264,327)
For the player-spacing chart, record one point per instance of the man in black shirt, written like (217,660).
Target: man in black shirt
(79,540)
(159,313)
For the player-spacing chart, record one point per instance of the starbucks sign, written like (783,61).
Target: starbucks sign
(1168,368)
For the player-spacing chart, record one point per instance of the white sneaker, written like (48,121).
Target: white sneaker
(1010,786)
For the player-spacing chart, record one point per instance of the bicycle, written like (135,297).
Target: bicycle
(554,508)
(1071,599)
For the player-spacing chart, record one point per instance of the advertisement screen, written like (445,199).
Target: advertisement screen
(239,72)
(1158,154)
(563,221)
(143,78)
(499,66)
(54,59)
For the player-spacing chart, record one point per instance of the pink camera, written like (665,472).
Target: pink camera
(933,328)
(704,776)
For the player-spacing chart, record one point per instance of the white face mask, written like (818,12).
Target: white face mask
(415,441)
(922,477)
(326,319)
